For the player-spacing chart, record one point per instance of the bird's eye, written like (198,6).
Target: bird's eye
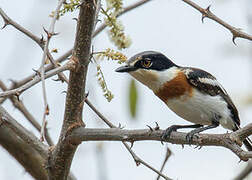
(146,63)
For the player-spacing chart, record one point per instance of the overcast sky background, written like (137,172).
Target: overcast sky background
(169,26)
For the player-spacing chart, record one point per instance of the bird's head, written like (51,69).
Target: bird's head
(150,68)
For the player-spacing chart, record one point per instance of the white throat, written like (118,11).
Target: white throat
(154,79)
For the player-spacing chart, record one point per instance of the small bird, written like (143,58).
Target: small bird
(193,94)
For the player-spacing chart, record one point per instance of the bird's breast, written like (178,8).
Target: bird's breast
(175,88)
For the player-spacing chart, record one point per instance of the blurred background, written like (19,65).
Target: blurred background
(171,27)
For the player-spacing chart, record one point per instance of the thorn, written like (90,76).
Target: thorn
(202,18)
(17,94)
(42,39)
(55,34)
(75,19)
(58,79)
(150,128)
(65,92)
(157,127)
(80,4)
(208,8)
(37,72)
(46,31)
(131,144)
(47,110)
(120,126)
(233,39)
(5,24)
(240,160)
(205,13)
(182,146)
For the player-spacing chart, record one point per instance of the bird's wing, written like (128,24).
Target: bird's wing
(207,83)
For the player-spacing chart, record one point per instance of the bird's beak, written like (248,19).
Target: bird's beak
(126,68)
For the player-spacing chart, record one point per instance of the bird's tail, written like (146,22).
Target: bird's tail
(247,142)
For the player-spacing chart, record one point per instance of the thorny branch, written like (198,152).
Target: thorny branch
(24,146)
(49,33)
(133,154)
(206,13)
(69,65)
(9,21)
(227,140)
(17,103)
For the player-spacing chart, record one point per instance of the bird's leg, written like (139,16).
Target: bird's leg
(190,135)
(167,133)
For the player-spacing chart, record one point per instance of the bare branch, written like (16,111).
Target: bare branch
(116,134)
(63,153)
(49,33)
(26,136)
(24,146)
(245,172)
(9,21)
(21,107)
(37,79)
(206,13)
(133,154)
(39,41)
(32,160)
(167,155)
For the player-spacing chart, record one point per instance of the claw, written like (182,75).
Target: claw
(190,135)
(157,127)
(167,133)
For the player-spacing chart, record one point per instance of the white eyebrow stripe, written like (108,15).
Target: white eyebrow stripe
(212,82)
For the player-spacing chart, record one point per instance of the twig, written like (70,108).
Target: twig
(46,53)
(9,21)
(21,107)
(245,172)
(167,155)
(206,13)
(37,79)
(24,146)
(135,157)
(49,33)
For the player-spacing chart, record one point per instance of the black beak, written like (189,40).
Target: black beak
(126,68)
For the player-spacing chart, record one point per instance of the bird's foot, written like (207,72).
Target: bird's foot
(189,136)
(167,133)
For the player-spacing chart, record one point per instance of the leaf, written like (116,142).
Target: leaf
(133,98)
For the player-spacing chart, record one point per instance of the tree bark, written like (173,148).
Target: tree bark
(62,155)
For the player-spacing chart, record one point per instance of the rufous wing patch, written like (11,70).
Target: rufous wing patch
(175,88)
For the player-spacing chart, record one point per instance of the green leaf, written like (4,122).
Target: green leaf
(133,98)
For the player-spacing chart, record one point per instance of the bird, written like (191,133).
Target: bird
(193,94)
